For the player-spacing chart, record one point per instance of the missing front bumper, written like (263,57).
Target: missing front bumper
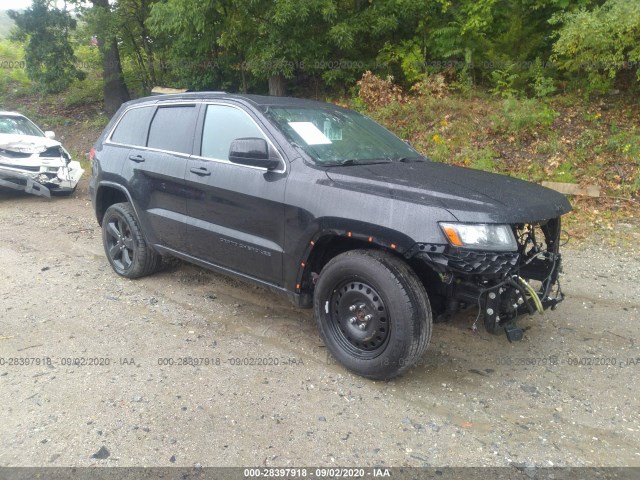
(502,285)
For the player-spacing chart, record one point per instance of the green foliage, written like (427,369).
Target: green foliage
(483,159)
(542,85)
(83,92)
(12,75)
(564,173)
(524,116)
(407,55)
(601,43)
(49,57)
(504,82)
(625,143)
(187,37)
(513,48)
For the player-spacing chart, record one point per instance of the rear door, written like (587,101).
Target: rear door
(236,212)
(156,174)
(131,131)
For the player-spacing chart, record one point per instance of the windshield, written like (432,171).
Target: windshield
(340,137)
(19,126)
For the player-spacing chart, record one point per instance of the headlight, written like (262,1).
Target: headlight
(480,236)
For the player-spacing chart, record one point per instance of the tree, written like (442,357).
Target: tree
(602,42)
(49,58)
(265,39)
(115,89)
(278,42)
(185,36)
(277,39)
(136,42)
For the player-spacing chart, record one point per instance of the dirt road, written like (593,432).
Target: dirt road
(188,367)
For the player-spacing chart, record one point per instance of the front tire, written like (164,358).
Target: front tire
(127,251)
(373,313)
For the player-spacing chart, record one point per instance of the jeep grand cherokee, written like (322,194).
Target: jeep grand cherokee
(326,206)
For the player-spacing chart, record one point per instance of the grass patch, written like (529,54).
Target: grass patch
(483,159)
(523,116)
(564,173)
(83,92)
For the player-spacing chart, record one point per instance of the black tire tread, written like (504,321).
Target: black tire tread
(413,295)
(417,296)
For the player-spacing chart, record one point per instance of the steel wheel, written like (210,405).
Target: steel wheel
(373,313)
(359,319)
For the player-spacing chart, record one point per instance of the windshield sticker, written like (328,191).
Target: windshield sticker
(310,133)
(331,132)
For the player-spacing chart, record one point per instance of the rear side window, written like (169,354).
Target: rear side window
(172,129)
(222,125)
(133,127)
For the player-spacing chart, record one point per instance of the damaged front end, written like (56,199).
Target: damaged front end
(37,165)
(502,284)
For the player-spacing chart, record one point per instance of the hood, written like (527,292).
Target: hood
(469,195)
(26,143)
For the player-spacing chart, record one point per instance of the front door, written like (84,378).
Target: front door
(236,212)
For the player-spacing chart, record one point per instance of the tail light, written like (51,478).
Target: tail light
(92,154)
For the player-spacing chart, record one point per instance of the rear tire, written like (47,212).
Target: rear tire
(373,313)
(127,251)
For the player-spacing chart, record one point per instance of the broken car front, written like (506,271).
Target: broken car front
(32,161)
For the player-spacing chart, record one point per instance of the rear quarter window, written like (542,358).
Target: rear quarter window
(133,127)
(172,128)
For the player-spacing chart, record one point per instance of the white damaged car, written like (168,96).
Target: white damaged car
(32,161)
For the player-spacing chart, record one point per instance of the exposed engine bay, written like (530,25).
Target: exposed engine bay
(503,285)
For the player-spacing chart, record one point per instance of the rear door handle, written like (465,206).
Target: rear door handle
(136,158)
(202,171)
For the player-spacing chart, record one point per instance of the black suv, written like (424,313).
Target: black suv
(326,206)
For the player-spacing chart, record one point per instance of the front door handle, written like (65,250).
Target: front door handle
(136,158)
(202,171)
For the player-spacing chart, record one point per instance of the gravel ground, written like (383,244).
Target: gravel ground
(265,393)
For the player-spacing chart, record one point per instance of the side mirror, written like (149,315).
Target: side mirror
(253,152)
(50,134)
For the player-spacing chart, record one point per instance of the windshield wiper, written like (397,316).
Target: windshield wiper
(351,161)
(410,159)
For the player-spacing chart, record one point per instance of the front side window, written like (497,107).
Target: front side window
(222,125)
(133,127)
(338,136)
(172,129)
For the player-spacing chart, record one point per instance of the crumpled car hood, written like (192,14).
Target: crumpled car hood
(26,143)
(470,195)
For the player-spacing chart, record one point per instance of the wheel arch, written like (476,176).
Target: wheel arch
(108,194)
(327,245)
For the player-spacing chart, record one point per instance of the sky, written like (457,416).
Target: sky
(14,4)
(20,4)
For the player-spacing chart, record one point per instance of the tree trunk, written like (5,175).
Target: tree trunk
(276,86)
(115,90)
